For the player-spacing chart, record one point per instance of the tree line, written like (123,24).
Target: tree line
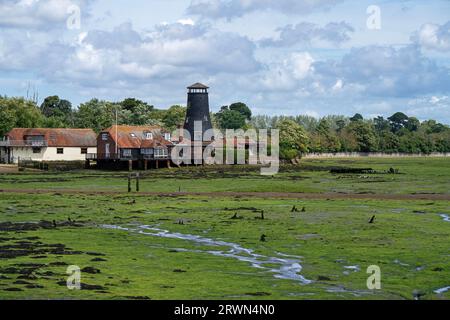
(298,134)
(330,134)
(95,114)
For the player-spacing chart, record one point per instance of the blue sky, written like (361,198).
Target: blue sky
(314,57)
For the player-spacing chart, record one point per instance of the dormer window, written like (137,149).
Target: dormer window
(149,136)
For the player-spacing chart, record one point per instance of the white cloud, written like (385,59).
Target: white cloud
(433,36)
(286,75)
(37,13)
(429,107)
(306,34)
(338,85)
(386,71)
(302,64)
(172,51)
(187,21)
(236,8)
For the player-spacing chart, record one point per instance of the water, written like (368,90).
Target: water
(442,290)
(282,267)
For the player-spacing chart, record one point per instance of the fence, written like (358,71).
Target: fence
(51,165)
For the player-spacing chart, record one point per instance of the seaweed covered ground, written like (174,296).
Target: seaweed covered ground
(229,233)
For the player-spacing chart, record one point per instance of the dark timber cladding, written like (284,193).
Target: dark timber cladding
(197,110)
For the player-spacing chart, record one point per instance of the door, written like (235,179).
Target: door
(107,153)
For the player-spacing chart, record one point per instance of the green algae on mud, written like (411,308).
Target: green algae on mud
(409,241)
(416,176)
(331,239)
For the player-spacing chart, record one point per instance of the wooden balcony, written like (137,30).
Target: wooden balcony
(23,143)
(121,157)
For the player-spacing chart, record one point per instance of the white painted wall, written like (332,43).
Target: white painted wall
(50,154)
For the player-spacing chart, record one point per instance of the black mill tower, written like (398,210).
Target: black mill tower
(197,110)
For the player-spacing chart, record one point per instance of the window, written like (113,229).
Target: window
(60,150)
(105,136)
(36,150)
(84,150)
(35,141)
(167,136)
(161,153)
(126,153)
(133,135)
(149,136)
(147,151)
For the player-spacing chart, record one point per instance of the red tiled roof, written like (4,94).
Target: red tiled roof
(57,137)
(125,138)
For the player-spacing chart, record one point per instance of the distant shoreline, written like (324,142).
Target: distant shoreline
(374,155)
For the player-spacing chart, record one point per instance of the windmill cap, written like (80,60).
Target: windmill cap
(198,85)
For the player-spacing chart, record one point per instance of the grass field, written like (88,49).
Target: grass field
(205,243)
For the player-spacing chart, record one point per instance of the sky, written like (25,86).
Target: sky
(281,57)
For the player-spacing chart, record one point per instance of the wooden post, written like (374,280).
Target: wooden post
(145,165)
(168,164)
(157,164)
(130,165)
(137,182)
(129,182)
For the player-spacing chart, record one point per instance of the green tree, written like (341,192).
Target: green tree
(398,121)
(348,141)
(365,135)
(230,119)
(309,123)
(243,109)
(431,126)
(132,104)
(18,113)
(324,139)
(293,139)
(136,112)
(413,124)
(388,142)
(174,117)
(340,124)
(381,124)
(357,117)
(98,115)
(59,110)
(414,142)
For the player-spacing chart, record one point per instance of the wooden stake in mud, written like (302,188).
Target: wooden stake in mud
(129,182)
(137,182)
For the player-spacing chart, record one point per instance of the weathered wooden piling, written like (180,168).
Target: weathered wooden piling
(137,182)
